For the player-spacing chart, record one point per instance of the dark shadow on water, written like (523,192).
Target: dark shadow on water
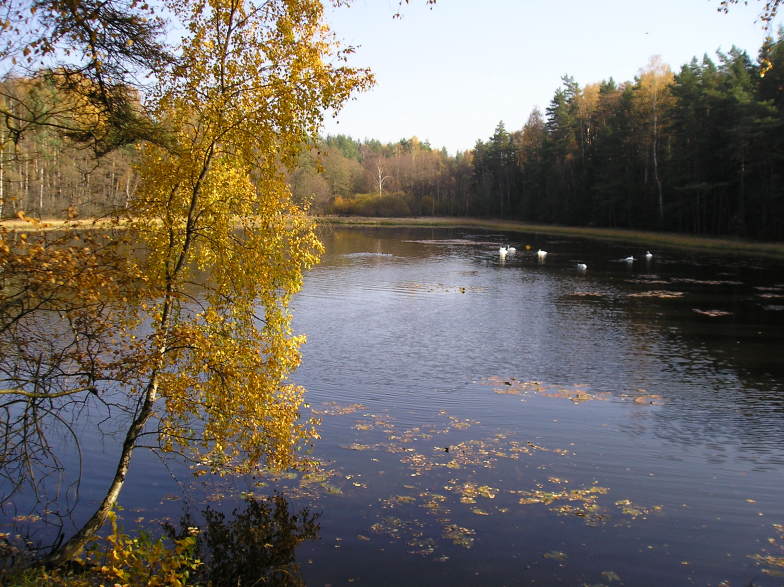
(255,545)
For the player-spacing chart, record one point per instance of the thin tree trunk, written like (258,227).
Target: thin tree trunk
(2,173)
(656,159)
(77,542)
(41,191)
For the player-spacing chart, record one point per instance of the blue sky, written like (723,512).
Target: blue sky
(449,74)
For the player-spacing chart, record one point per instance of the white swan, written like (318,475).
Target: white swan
(582,267)
(648,255)
(511,249)
(628,259)
(541,254)
(502,251)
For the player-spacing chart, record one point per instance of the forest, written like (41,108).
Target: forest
(698,151)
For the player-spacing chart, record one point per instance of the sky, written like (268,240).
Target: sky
(449,74)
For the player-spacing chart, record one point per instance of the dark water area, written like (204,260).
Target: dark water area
(492,420)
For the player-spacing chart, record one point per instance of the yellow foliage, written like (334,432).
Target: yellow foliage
(217,202)
(183,315)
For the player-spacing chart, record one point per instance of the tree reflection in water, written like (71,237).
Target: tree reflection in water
(255,546)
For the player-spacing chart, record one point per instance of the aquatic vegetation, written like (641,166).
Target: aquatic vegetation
(336,409)
(587,294)
(586,495)
(445,481)
(469,491)
(657,293)
(577,393)
(648,281)
(705,281)
(711,313)
(459,535)
(773,564)
(628,508)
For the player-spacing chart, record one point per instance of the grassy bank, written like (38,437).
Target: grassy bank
(647,238)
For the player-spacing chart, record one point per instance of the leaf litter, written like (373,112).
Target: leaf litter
(463,497)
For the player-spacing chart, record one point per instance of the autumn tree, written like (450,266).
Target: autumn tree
(204,360)
(651,99)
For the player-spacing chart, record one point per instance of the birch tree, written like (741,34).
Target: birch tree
(198,363)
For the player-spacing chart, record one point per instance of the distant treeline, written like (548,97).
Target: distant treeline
(699,151)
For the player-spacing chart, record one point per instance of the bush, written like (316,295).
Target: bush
(117,559)
(392,204)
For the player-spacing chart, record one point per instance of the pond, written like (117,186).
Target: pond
(497,420)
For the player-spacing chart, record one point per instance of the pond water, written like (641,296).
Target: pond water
(505,421)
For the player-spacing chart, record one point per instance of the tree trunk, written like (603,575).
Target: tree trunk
(77,542)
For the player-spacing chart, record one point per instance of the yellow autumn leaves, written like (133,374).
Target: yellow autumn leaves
(185,310)
(225,247)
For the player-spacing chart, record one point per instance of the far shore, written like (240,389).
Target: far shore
(650,239)
(34,225)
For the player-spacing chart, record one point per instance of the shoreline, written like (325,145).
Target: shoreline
(773,250)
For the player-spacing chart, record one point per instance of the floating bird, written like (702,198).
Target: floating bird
(502,251)
(628,259)
(541,254)
(581,266)
(648,255)
(511,249)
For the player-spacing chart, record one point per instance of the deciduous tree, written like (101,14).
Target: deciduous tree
(204,359)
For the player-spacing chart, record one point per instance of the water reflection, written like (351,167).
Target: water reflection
(255,545)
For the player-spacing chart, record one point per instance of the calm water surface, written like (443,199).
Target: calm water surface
(682,420)
(491,421)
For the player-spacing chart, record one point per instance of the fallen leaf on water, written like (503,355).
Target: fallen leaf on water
(357,446)
(422,546)
(459,535)
(611,576)
(587,294)
(706,281)
(336,409)
(711,313)
(657,293)
(772,564)
(332,489)
(630,509)
(556,555)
